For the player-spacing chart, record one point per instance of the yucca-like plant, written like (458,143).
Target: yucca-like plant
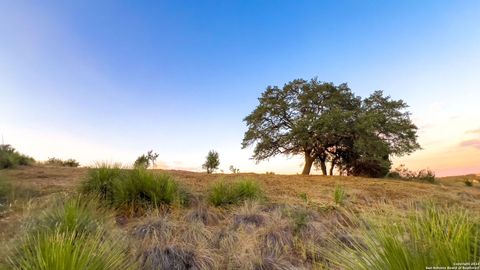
(78,215)
(64,250)
(141,189)
(430,237)
(222,193)
(100,180)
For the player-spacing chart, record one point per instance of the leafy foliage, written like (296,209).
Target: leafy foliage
(328,123)
(10,158)
(222,193)
(233,169)
(146,160)
(212,162)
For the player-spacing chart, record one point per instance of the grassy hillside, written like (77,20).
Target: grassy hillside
(292,222)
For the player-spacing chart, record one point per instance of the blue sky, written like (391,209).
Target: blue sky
(108,80)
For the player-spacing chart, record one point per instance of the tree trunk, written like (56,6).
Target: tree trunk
(333,166)
(323,166)
(308,164)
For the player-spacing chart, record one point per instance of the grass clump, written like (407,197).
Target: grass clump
(133,190)
(339,194)
(77,215)
(224,193)
(142,189)
(430,237)
(100,180)
(69,235)
(10,158)
(68,251)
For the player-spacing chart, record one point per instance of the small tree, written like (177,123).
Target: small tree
(212,162)
(233,169)
(145,160)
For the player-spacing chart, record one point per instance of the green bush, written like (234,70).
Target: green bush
(10,158)
(222,193)
(140,189)
(100,180)
(430,237)
(133,189)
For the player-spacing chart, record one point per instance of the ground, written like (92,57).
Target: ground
(36,184)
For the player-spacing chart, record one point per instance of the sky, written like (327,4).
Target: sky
(110,80)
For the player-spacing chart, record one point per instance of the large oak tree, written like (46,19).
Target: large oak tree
(328,123)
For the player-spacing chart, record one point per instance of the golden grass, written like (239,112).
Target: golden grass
(277,233)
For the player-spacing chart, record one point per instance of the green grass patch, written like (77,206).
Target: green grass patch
(69,235)
(339,194)
(80,215)
(133,190)
(432,236)
(223,193)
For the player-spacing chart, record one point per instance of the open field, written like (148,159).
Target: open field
(289,228)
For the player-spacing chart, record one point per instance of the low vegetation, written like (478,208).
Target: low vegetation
(69,235)
(5,191)
(431,236)
(62,163)
(402,172)
(10,158)
(339,194)
(128,219)
(133,190)
(224,193)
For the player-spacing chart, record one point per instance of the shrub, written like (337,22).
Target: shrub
(402,172)
(339,194)
(69,251)
(63,163)
(430,237)
(133,190)
(140,189)
(468,182)
(10,158)
(212,162)
(223,193)
(100,180)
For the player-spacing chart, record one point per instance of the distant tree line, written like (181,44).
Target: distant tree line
(329,124)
